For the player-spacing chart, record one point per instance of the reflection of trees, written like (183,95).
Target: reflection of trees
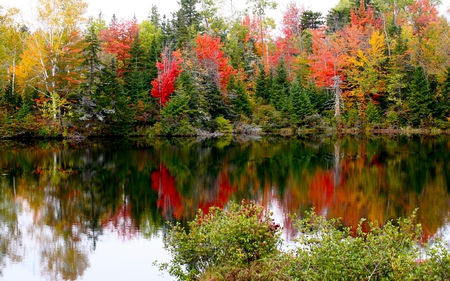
(10,233)
(74,194)
(374,180)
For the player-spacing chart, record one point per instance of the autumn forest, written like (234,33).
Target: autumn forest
(209,67)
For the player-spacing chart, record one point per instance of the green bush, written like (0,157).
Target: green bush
(242,243)
(172,127)
(392,119)
(223,125)
(329,251)
(232,238)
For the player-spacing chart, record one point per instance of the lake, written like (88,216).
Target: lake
(98,210)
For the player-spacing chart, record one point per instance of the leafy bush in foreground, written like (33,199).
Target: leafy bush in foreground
(235,237)
(241,243)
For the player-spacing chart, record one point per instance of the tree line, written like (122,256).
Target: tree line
(210,67)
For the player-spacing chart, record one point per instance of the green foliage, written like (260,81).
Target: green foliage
(173,127)
(420,100)
(267,117)
(299,105)
(262,88)
(236,237)
(174,117)
(224,125)
(372,113)
(241,243)
(392,118)
(328,251)
(444,99)
(239,98)
(280,89)
(350,118)
(176,107)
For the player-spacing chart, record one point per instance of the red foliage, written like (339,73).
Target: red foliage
(118,40)
(292,20)
(364,17)
(169,200)
(211,57)
(122,222)
(321,190)
(169,68)
(423,13)
(323,60)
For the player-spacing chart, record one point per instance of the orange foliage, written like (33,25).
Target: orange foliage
(211,57)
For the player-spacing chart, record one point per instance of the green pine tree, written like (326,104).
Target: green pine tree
(420,100)
(239,97)
(261,90)
(136,84)
(300,105)
(280,86)
(444,99)
(372,114)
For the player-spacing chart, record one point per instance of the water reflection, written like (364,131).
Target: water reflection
(64,198)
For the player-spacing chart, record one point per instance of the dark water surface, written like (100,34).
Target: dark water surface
(97,211)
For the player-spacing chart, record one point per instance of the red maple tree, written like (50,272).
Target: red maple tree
(211,57)
(169,68)
(118,40)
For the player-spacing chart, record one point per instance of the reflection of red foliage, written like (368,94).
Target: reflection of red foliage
(224,191)
(122,222)
(321,190)
(169,198)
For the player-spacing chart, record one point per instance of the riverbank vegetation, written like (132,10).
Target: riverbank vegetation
(243,243)
(211,68)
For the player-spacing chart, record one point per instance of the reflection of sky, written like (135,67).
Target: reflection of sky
(444,234)
(113,259)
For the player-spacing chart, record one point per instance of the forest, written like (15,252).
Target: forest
(212,68)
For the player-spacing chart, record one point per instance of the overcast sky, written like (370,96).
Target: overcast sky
(126,9)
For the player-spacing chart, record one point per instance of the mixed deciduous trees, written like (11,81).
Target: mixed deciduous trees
(65,74)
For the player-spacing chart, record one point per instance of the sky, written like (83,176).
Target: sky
(126,9)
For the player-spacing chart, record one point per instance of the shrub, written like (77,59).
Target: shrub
(234,238)
(223,125)
(241,243)
(328,251)
(392,119)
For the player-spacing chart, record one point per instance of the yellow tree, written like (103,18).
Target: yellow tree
(10,47)
(51,58)
(366,72)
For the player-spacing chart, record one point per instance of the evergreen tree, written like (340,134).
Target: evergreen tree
(300,105)
(185,84)
(372,113)
(215,103)
(239,97)
(136,83)
(186,21)
(112,99)
(261,90)
(444,99)
(89,91)
(420,100)
(154,16)
(280,86)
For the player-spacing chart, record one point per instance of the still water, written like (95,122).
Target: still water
(97,211)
